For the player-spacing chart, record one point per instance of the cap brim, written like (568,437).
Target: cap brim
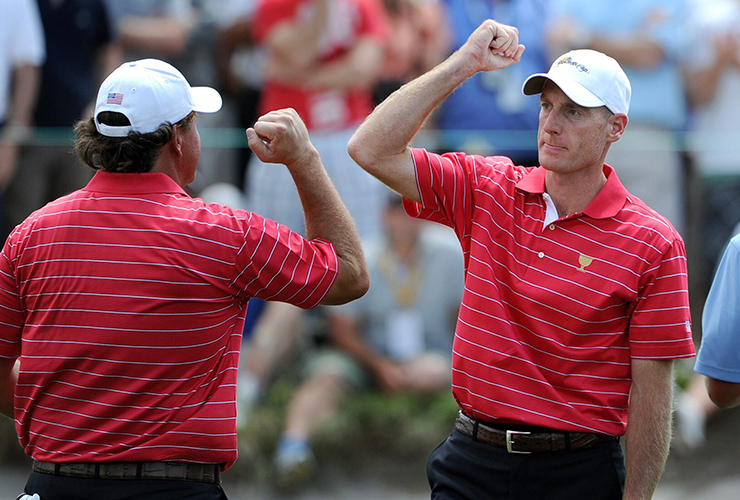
(206,99)
(574,90)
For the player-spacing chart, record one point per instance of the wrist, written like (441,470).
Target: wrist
(14,133)
(307,161)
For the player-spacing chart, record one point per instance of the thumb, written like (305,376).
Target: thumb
(257,145)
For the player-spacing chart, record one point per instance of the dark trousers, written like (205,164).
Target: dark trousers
(50,487)
(463,469)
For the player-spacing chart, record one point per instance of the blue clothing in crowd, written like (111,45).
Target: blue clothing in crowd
(494,100)
(719,356)
(657,93)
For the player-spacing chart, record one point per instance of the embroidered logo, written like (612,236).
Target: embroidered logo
(114,98)
(584,261)
(569,61)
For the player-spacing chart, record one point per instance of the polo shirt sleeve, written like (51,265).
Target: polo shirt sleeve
(660,325)
(11,309)
(719,355)
(445,185)
(28,37)
(276,263)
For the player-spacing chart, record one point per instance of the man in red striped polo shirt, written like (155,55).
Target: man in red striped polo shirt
(575,301)
(122,304)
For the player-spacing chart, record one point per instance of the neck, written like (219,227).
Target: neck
(572,193)
(167,164)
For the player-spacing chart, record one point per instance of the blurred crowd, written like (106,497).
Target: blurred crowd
(333,60)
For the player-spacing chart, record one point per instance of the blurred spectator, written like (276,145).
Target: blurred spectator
(498,92)
(323,58)
(648,38)
(21,55)
(153,28)
(419,39)
(80,52)
(240,63)
(713,84)
(719,356)
(397,338)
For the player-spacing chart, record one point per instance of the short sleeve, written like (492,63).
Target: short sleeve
(660,326)
(11,309)
(276,263)
(28,34)
(445,185)
(719,355)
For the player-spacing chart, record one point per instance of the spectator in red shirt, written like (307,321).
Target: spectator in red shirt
(123,303)
(576,296)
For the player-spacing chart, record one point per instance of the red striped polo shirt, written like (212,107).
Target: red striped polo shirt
(552,315)
(125,302)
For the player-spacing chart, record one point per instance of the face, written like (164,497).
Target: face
(190,153)
(570,137)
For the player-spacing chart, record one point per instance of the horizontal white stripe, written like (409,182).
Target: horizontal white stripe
(138,330)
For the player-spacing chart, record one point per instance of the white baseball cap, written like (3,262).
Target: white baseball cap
(150,93)
(589,78)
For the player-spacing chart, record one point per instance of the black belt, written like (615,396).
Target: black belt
(518,441)
(178,471)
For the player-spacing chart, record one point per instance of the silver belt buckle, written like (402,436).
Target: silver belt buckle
(510,442)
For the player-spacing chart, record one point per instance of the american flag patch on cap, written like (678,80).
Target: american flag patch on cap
(114,98)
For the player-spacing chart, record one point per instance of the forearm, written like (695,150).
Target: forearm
(639,51)
(723,394)
(328,218)
(159,34)
(382,141)
(9,378)
(649,429)
(26,81)
(299,42)
(702,85)
(358,68)
(345,335)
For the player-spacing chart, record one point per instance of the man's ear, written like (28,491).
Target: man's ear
(176,140)
(617,124)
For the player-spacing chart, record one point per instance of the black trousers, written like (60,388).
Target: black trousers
(50,487)
(463,469)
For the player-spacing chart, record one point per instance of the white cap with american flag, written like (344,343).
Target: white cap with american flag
(150,93)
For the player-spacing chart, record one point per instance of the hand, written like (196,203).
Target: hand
(493,46)
(728,51)
(281,137)
(8,160)
(391,376)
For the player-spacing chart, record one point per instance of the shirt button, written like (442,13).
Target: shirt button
(541,254)
(552,227)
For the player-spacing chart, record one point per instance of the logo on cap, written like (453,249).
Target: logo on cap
(114,98)
(569,60)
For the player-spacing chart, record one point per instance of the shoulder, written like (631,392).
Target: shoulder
(650,231)
(475,165)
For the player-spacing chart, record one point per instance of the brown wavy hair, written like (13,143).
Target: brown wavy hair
(135,153)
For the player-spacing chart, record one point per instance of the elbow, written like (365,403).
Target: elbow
(361,151)
(348,288)
(359,284)
(723,394)
(356,149)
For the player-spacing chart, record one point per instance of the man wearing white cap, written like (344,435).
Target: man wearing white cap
(122,304)
(575,302)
